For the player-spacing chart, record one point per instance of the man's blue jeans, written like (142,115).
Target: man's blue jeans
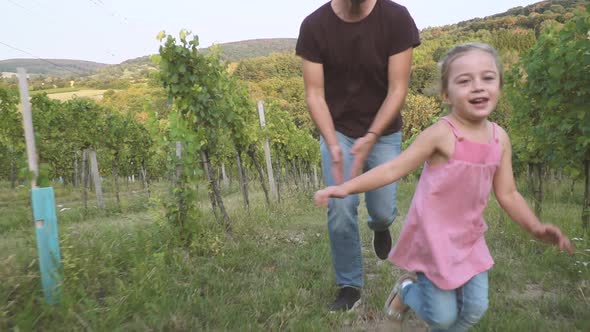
(343,213)
(448,310)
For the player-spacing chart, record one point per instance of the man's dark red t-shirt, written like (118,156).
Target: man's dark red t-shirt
(354,57)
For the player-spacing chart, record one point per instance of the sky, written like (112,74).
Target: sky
(112,31)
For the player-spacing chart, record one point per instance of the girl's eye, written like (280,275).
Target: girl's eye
(463,81)
(489,78)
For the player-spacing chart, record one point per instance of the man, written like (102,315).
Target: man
(357,56)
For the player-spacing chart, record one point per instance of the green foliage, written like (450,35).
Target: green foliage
(515,30)
(277,77)
(435,43)
(12,145)
(425,78)
(555,91)
(197,84)
(181,210)
(552,99)
(63,129)
(289,93)
(529,17)
(43,177)
(43,180)
(10,119)
(419,113)
(289,139)
(277,65)
(137,101)
(503,112)
(54,129)
(520,40)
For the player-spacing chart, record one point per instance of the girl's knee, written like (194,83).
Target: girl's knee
(474,312)
(441,317)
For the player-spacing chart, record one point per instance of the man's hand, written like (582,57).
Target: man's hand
(336,155)
(360,150)
(552,234)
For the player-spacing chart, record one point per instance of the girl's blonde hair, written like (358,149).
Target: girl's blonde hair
(459,50)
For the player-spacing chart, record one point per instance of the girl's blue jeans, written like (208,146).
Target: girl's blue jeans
(448,310)
(343,213)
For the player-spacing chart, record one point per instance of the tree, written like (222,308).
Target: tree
(199,86)
(51,131)
(556,80)
(11,132)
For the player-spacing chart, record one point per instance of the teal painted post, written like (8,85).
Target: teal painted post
(43,202)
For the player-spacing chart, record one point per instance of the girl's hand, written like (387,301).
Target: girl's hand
(552,234)
(322,197)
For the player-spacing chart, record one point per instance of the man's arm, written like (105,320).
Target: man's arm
(398,75)
(313,79)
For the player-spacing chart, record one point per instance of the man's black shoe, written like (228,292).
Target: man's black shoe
(348,299)
(382,243)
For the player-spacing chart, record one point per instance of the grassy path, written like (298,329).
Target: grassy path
(123,273)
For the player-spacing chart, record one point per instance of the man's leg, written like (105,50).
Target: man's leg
(343,229)
(382,203)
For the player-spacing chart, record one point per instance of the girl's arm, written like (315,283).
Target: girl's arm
(423,148)
(516,206)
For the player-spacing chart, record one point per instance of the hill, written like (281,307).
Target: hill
(534,17)
(512,33)
(254,48)
(234,51)
(52,67)
(139,68)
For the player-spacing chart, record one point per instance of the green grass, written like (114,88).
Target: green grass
(124,272)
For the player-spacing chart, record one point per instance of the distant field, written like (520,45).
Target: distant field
(62,96)
(50,91)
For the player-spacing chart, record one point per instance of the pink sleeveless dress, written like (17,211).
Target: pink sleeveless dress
(443,235)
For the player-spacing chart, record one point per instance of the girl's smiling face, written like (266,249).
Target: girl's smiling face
(473,85)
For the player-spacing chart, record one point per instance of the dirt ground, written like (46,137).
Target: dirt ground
(370,322)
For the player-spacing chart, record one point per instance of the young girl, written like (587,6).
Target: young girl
(465,156)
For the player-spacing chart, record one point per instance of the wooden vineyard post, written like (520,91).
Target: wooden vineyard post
(96,178)
(271,180)
(43,205)
(224,176)
(316,182)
